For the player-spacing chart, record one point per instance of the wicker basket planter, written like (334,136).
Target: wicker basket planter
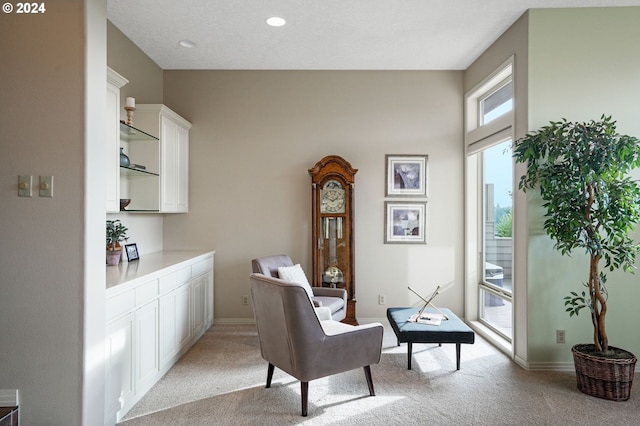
(605,378)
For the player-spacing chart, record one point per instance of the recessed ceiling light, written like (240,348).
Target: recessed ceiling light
(276,21)
(187,44)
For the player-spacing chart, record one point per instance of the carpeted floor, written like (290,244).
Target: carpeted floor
(220,381)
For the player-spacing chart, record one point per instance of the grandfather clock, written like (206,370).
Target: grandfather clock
(332,207)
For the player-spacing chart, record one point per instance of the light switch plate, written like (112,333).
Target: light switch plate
(46,186)
(24,186)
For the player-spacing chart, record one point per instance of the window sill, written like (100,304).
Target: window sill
(492,337)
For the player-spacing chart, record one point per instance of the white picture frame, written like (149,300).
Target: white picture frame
(406,175)
(405,223)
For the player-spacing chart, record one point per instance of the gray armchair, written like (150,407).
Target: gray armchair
(333,298)
(295,340)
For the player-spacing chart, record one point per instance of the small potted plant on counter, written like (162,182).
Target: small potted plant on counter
(116,232)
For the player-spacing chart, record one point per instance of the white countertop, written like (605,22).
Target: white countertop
(149,264)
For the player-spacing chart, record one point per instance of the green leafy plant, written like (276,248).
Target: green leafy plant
(504,225)
(582,171)
(116,233)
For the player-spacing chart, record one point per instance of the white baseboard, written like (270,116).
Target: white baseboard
(252,321)
(234,321)
(384,321)
(551,366)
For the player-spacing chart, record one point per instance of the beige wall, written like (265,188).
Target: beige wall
(52,283)
(583,63)
(144,75)
(255,134)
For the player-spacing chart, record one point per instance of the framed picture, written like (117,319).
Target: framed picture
(132,252)
(406,175)
(405,223)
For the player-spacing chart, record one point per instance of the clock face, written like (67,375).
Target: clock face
(332,198)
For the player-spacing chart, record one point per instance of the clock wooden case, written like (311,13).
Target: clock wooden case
(332,207)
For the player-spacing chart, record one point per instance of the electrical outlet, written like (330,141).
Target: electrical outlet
(245,299)
(560,336)
(382,299)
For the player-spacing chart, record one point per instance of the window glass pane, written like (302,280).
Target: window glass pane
(498,188)
(496,312)
(497,104)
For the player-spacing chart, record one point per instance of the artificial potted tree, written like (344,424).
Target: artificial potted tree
(592,204)
(116,233)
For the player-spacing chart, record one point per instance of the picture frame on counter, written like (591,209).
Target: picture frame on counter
(132,252)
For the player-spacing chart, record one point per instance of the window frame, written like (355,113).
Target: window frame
(478,137)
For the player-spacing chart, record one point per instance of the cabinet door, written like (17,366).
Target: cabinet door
(118,368)
(199,298)
(174,186)
(183,316)
(168,344)
(146,346)
(169,169)
(175,329)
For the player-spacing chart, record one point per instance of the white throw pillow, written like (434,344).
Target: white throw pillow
(295,274)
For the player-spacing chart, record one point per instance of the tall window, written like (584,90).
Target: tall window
(489,112)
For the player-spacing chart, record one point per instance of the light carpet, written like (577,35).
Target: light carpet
(221,379)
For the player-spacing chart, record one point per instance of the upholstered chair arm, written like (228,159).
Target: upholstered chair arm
(330,292)
(324,313)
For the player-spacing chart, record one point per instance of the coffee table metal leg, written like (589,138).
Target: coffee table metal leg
(409,350)
(457,356)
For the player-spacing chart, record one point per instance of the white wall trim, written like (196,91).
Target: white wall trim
(234,321)
(495,339)
(252,321)
(9,397)
(551,366)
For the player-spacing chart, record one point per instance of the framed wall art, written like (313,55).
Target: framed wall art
(406,175)
(405,222)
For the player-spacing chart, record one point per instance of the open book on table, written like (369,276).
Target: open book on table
(427,318)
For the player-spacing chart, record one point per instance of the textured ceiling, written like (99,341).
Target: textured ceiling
(323,34)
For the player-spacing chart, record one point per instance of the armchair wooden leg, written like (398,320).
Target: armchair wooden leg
(269,375)
(304,390)
(367,373)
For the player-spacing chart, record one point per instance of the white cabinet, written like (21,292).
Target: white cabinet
(157,144)
(202,273)
(175,325)
(174,179)
(119,367)
(145,342)
(199,303)
(153,316)
(112,155)
(173,156)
